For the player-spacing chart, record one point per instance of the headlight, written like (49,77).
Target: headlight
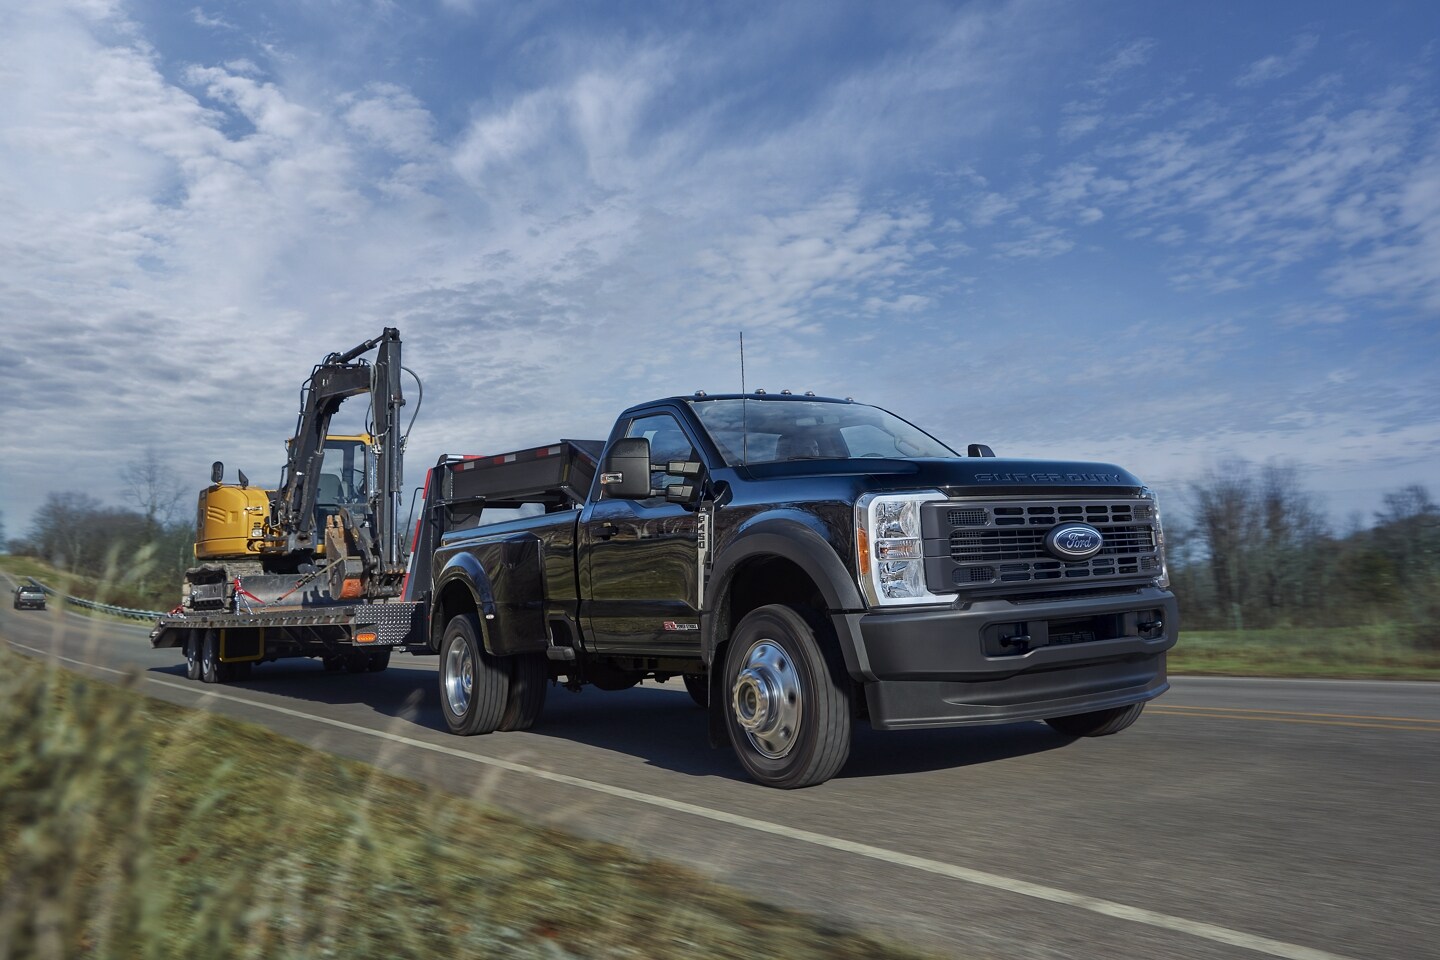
(1163,580)
(889,548)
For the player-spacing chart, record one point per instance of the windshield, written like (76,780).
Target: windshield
(766,431)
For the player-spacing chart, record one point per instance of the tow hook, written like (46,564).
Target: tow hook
(1019,640)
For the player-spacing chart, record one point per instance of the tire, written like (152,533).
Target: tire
(333,663)
(788,698)
(1101,723)
(698,685)
(211,669)
(192,657)
(473,684)
(529,681)
(379,660)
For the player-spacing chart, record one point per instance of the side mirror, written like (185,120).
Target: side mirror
(689,469)
(680,492)
(217,472)
(626,472)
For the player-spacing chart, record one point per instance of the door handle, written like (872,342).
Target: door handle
(607,530)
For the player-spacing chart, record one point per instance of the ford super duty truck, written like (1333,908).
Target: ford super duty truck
(804,564)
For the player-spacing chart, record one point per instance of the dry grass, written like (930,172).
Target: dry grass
(1384,651)
(130,827)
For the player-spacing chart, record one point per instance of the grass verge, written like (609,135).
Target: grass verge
(1387,652)
(130,827)
(66,584)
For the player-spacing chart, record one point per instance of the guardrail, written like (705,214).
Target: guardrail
(129,612)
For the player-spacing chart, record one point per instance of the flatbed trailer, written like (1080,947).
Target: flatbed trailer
(360,636)
(221,645)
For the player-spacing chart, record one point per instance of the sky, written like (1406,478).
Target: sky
(1159,235)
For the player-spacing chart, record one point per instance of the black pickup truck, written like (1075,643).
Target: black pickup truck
(803,563)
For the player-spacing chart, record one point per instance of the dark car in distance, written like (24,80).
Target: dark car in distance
(29,597)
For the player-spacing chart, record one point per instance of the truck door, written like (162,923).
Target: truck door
(640,560)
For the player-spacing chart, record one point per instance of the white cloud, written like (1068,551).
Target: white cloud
(1132,55)
(1276,66)
(592,223)
(1037,241)
(215,22)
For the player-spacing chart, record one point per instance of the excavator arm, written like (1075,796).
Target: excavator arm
(370,535)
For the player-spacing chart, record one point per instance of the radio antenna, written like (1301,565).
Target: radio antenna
(744,408)
(742,361)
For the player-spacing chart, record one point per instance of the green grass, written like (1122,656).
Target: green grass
(130,580)
(1398,652)
(130,827)
(66,584)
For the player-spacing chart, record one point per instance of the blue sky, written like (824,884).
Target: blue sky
(1156,234)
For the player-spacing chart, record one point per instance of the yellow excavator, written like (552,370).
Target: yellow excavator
(333,520)
(232,521)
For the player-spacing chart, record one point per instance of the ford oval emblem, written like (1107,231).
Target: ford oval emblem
(1074,541)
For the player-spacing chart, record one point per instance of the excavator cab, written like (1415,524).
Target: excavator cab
(344,474)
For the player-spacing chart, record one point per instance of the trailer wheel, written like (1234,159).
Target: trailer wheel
(211,669)
(192,657)
(1101,723)
(698,686)
(788,709)
(473,684)
(379,660)
(529,681)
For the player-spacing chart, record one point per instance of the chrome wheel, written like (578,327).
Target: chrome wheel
(789,699)
(459,678)
(473,683)
(767,699)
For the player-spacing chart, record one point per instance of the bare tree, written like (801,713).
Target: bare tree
(151,485)
(1225,518)
(1257,527)
(1407,530)
(1291,521)
(63,528)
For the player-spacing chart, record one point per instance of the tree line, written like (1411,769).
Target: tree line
(1249,548)
(136,553)
(1254,550)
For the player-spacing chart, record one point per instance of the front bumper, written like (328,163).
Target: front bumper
(995,661)
(29,604)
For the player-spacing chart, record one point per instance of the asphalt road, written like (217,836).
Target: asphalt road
(1236,819)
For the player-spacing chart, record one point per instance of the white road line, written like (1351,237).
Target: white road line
(1107,908)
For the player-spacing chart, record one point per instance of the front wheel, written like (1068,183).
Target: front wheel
(473,684)
(788,699)
(1101,723)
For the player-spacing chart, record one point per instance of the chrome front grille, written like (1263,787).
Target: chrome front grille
(975,545)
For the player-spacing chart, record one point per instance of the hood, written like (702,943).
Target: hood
(972,476)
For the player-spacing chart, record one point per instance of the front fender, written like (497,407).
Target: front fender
(792,537)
